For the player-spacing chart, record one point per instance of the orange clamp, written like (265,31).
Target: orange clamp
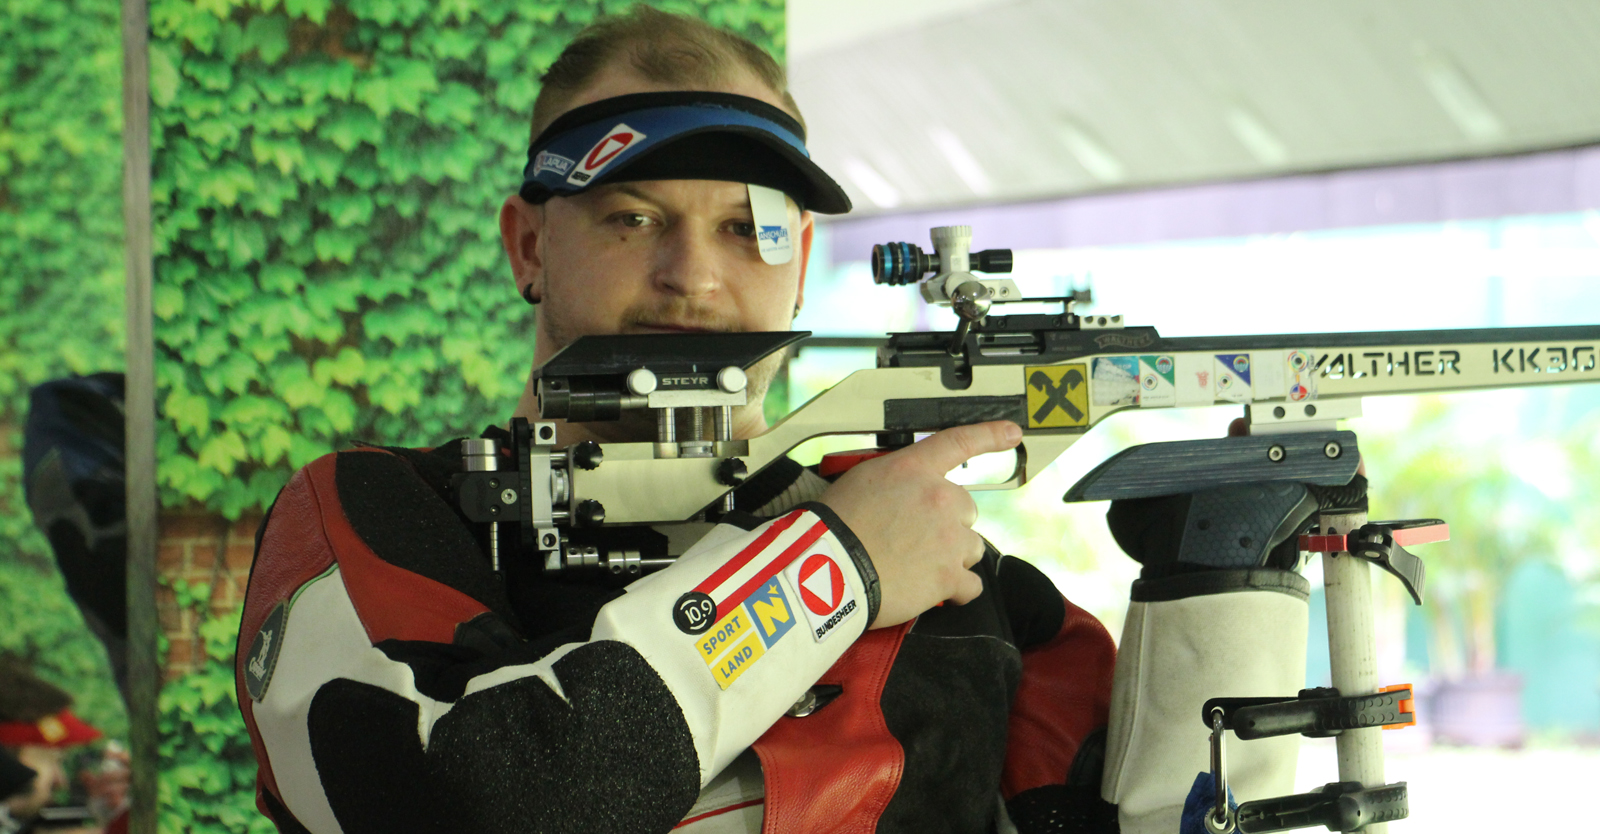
(1407,706)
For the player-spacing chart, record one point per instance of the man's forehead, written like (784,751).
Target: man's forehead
(718,192)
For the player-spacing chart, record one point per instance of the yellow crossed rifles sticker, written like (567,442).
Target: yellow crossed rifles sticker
(1058,395)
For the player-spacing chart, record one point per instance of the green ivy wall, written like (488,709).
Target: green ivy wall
(61,294)
(328,267)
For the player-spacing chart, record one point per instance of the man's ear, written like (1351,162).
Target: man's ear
(521,235)
(807,227)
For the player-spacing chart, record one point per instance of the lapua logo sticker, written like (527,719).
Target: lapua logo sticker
(616,140)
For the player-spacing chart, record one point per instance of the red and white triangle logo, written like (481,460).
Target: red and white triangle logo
(821,584)
(616,140)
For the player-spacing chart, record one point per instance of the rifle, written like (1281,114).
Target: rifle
(1057,376)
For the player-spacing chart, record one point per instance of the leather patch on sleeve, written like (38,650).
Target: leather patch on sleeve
(394,603)
(840,762)
(1065,695)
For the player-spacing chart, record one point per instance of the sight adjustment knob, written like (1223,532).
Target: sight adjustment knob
(590,513)
(588,455)
(732,472)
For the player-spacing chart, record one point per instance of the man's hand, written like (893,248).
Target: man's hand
(917,525)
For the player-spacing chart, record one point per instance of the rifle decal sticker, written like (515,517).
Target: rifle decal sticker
(1116,380)
(1302,376)
(1267,375)
(1157,381)
(1233,377)
(1193,380)
(1058,395)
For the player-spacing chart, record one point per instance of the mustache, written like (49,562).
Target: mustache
(678,313)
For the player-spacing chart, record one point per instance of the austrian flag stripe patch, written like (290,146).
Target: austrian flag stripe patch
(720,576)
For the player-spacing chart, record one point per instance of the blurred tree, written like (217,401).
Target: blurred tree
(1498,521)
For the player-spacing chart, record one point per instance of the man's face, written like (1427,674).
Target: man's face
(661,256)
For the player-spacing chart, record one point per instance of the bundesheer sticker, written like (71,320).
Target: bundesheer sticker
(825,597)
(263,657)
(616,140)
(769,210)
(1157,381)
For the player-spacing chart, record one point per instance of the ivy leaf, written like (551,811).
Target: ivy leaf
(167,300)
(164,75)
(222,452)
(280,278)
(345,368)
(315,10)
(294,384)
(350,126)
(191,413)
(268,35)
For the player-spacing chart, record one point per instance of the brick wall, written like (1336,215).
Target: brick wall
(208,551)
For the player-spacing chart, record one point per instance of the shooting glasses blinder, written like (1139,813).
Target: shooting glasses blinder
(687,135)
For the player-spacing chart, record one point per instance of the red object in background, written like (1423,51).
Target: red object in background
(60,730)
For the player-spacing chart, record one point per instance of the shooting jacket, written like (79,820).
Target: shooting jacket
(392,682)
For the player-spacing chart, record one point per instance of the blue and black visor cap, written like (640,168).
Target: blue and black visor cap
(678,136)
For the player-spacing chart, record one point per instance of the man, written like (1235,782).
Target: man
(392,681)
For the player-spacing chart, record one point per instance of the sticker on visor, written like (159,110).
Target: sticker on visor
(770,211)
(615,142)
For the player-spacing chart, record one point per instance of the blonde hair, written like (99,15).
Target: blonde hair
(662,47)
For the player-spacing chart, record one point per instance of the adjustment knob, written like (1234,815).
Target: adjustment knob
(992,260)
(588,455)
(732,472)
(732,379)
(641,381)
(897,264)
(590,513)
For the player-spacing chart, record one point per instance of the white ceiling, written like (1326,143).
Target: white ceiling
(947,102)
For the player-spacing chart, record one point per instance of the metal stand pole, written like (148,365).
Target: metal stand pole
(144,663)
(1352,652)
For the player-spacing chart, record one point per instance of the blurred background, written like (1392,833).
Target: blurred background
(327,269)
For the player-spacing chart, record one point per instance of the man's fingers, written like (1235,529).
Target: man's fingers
(974,553)
(968,588)
(950,448)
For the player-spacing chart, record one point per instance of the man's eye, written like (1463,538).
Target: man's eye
(743,229)
(634,220)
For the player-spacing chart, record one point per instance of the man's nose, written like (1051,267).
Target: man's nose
(687,265)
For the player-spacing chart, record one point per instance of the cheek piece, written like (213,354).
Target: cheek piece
(687,135)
